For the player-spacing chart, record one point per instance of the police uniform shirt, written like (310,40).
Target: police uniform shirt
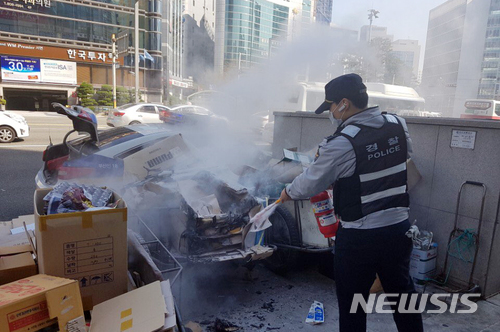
(336,160)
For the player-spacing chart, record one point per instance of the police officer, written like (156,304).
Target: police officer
(365,162)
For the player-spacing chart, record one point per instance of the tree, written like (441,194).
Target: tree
(392,74)
(173,100)
(122,96)
(132,95)
(105,95)
(86,92)
(353,63)
(381,48)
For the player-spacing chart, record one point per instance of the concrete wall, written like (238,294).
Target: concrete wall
(443,169)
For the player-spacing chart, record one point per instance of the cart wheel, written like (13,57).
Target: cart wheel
(284,231)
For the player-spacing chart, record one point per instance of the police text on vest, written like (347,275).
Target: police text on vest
(385,152)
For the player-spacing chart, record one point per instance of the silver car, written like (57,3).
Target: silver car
(130,114)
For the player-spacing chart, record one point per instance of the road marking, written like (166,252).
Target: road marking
(24,146)
(50,124)
(61,125)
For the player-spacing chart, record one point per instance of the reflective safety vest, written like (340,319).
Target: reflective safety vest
(379,181)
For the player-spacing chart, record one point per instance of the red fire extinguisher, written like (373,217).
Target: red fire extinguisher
(322,205)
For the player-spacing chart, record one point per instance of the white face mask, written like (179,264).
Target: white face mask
(335,122)
(332,119)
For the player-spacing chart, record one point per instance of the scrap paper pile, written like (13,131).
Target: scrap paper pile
(70,197)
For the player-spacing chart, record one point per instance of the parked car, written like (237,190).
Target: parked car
(191,114)
(130,114)
(12,126)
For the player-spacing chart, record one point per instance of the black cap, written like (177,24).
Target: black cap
(347,86)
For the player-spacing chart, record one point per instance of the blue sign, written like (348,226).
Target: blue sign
(20,69)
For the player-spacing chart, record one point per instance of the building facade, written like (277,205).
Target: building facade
(366,33)
(188,45)
(172,45)
(454,54)
(489,84)
(323,11)
(49,47)
(407,51)
(247,33)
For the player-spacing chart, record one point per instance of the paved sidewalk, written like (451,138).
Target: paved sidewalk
(33,114)
(281,303)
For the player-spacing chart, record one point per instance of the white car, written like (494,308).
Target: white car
(130,114)
(12,126)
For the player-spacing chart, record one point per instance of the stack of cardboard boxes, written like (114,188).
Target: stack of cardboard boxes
(40,301)
(16,262)
(82,261)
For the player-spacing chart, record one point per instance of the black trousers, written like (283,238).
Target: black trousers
(359,255)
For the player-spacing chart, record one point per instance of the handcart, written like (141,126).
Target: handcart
(463,245)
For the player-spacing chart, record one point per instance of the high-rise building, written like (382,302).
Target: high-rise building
(189,27)
(45,36)
(323,11)
(367,33)
(199,36)
(489,84)
(248,32)
(407,51)
(454,54)
(172,46)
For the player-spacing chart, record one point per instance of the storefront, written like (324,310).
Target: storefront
(24,99)
(80,33)
(35,76)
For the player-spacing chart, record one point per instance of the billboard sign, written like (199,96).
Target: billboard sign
(20,69)
(25,4)
(38,70)
(54,71)
(52,52)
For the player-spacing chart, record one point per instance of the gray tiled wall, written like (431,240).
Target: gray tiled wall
(443,169)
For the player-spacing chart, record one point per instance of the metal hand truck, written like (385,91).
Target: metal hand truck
(467,236)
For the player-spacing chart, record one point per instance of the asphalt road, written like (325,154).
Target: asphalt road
(21,160)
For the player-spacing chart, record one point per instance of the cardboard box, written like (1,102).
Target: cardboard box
(12,232)
(148,308)
(39,301)
(16,263)
(161,155)
(90,247)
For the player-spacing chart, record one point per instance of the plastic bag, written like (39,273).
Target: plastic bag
(421,239)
